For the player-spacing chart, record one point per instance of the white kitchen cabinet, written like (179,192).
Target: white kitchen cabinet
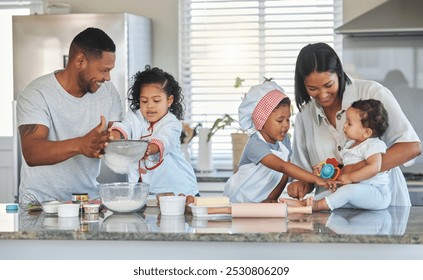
(211,188)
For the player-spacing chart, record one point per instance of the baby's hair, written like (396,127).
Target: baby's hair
(156,76)
(373,115)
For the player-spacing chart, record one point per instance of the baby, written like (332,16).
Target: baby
(366,187)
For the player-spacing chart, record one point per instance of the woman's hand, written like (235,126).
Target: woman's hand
(345,179)
(299,189)
(353,167)
(327,184)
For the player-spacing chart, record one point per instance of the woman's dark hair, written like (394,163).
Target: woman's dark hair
(156,76)
(92,42)
(318,57)
(373,115)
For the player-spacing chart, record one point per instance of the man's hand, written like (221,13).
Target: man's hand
(96,140)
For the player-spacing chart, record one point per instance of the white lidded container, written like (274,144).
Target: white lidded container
(91,208)
(172,205)
(68,210)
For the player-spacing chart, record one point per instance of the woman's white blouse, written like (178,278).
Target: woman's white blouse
(315,139)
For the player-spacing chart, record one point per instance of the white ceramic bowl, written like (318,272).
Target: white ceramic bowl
(50,207)
(124,197)
(68,210)
(172,205)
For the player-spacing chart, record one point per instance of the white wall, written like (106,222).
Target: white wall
(355,8)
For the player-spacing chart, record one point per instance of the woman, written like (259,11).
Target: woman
(323,92)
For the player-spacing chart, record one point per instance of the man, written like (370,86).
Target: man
(63,119)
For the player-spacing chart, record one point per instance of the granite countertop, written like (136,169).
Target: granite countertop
(396,225)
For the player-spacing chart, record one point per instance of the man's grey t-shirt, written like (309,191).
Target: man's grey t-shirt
(45,102)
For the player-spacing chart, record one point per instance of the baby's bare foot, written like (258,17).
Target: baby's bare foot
(311,202)
(292,202)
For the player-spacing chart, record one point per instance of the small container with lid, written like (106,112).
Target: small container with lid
(81,199)
(91,208)
(12,208)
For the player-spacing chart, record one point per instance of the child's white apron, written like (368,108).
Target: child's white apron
(254,183)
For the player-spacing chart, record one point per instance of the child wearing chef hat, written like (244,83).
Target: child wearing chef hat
(264,166)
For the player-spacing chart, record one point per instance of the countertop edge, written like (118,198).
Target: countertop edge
(210,237)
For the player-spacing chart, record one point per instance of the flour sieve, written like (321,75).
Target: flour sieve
(120,154)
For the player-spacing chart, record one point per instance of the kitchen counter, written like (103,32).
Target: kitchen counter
(216,176)
(393,233)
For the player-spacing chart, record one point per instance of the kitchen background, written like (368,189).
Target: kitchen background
(367,57)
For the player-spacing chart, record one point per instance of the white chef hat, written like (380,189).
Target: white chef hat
(258,104)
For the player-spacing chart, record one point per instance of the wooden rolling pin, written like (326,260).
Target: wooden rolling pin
(254,210)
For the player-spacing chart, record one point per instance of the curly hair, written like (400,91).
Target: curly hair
(156,76)
(373,115)
(92,42)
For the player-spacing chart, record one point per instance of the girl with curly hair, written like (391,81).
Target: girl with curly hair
(156,104)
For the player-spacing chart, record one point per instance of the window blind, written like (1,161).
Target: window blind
(254,40)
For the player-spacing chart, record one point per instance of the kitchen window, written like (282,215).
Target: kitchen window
(221,40)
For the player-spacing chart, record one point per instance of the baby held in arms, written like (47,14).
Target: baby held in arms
(366,187)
